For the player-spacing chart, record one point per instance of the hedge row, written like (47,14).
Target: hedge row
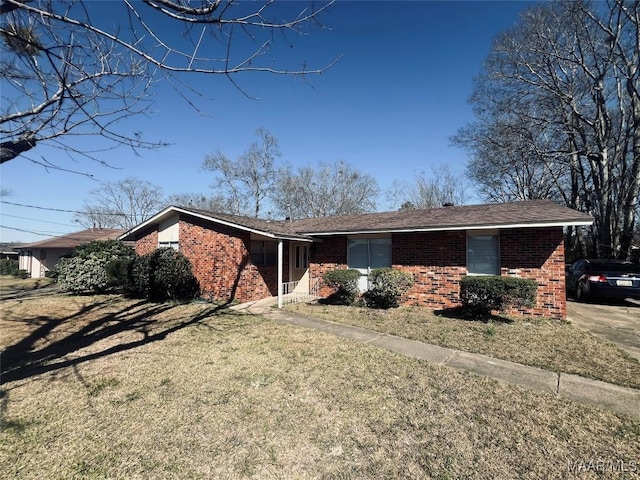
(486,293)
(387,285)
(107,266)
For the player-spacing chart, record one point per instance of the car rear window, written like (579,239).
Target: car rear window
(617,267)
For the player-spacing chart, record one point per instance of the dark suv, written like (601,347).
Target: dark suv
(605,279)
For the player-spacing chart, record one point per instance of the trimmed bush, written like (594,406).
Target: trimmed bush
(346,283)
(387,285)
(487,293)
(164,274)
(84,271)
(119,274)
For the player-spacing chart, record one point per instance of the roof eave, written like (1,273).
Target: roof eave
(574,223)
(211,218)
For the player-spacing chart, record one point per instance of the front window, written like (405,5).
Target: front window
(264,252)
(483,254)
(369,253)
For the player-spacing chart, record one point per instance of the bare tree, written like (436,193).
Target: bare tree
(558,110)
(122,204)
(440,188)
(215,203)
(249,180)
(330,189)
(67,72)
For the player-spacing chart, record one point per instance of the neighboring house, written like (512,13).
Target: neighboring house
(39,257)
(248,259)
(9,251)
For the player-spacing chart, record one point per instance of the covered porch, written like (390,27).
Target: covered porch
(293,281)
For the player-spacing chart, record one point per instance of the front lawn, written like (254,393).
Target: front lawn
(104,387)
(553,345)
(7,282)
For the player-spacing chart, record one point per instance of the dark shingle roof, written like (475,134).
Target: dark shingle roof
(533,212)
(529,213)
(274,227)
(72,240)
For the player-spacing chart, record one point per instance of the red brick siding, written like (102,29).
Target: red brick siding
(537,253)
(221,260)
(437,261)
(147,241)
(329,254)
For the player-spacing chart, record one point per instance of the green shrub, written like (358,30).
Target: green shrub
(84,271)
(386,286)
(164,274)
(487,293)
(346,284)
(119,274)
(8,266)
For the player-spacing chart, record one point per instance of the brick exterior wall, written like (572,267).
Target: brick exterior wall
(221,260)
(437,261)
(537,253)
(147,241)
(329,254)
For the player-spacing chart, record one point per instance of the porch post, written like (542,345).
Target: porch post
(280,262)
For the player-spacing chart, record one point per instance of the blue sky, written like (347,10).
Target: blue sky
(388,107)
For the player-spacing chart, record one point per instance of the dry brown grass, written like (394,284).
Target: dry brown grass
(101,387)
(548,344)
(12,283)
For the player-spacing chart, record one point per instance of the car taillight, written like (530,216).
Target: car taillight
(598,278)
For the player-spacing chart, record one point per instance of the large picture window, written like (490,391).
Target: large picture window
(369,253)
(483,257)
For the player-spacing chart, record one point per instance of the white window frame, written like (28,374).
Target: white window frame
(368,239)
(169,244)
(480,233)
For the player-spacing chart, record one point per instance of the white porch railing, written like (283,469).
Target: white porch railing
(297,292)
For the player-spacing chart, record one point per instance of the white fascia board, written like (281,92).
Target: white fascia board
(156,218)
(147,222)
(464,227)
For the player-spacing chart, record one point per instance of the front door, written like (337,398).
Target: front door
(299,265)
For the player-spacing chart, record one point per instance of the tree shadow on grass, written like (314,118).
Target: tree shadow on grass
(23,360)
(472,315)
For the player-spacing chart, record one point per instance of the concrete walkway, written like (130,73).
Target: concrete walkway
(573,387)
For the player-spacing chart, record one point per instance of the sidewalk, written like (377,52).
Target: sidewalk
(573,387)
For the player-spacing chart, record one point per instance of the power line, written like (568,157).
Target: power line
(42,233)
(38,220)
(40,208)
(59,209)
